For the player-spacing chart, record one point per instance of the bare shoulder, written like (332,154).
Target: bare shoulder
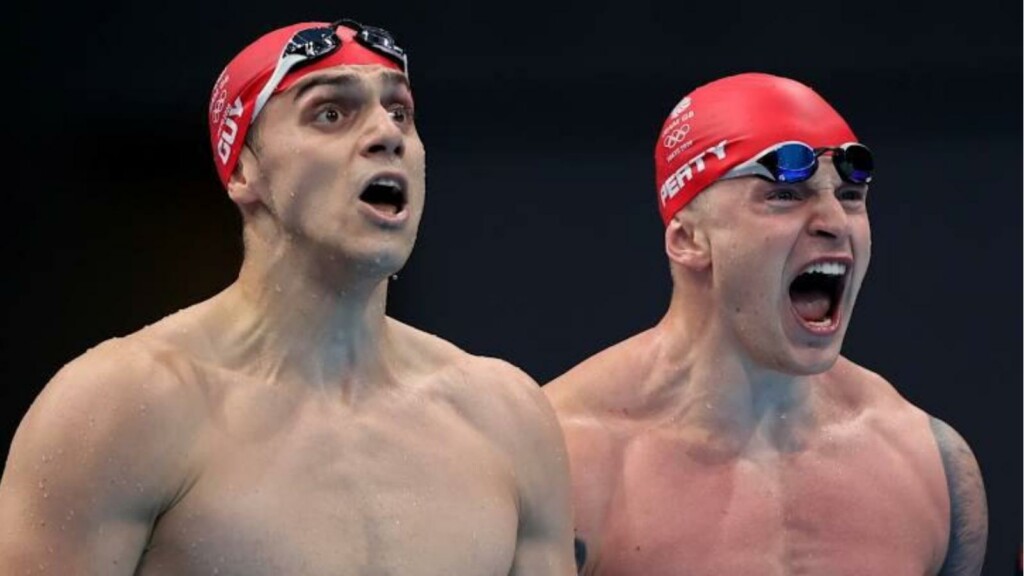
(462,373)
(598,401)
(856,385)
(908,426)
(128,380)
(605,382)
(480,387)
(115,413)
(873,404)
(488,386)
(503,403)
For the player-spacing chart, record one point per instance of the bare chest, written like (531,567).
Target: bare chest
(420,494)
(859,509)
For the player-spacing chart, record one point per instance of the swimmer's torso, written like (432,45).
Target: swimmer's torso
(405,481)
(402,487)
(864,496)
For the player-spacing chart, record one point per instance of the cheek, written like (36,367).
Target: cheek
(862,245)
(746,271)
(417,156)
(749,279)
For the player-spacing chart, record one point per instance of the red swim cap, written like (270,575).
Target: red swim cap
(729,121)
(235,92)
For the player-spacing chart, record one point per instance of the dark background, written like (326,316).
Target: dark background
(541,243)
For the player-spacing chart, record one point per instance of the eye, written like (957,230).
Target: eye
(852,195)
(782,194)
(329,115)
(401,113)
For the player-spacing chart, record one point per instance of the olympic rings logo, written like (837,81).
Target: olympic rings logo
(218,105)
(673,138)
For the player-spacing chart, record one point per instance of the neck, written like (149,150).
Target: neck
(706,379)
(319,322)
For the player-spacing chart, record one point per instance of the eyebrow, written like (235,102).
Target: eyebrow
(390,78)
(337,81)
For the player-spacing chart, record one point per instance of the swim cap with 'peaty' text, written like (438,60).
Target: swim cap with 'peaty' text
(729,121)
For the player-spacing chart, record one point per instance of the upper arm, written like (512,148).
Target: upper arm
(593,463)
(544,543)
(968,510)
(86,472)
(592,468)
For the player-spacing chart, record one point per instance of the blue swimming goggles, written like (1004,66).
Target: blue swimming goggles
(796,162)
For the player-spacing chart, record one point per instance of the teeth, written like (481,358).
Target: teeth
(820,323)
(828,268)
(390,182)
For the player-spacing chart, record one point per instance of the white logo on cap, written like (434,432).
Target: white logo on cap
(673,138)
(229,130)
(674,183)
(683,105)
(218,97)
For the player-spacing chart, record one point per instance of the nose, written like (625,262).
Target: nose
(383,138)
(829,219)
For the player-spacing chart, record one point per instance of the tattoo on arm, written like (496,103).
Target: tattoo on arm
(968,510)
(581,554)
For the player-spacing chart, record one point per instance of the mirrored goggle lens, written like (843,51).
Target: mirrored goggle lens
(382,41)
(313,43)
(793,163)
(378,38)
(856,164)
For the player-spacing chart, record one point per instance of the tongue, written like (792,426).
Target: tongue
(811,305)
(384,207)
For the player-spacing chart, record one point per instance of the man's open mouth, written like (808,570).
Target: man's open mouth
(386,194)
(816,294)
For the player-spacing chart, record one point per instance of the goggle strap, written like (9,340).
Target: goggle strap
(284,65)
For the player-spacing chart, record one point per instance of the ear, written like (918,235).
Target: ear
(240,185)
(686,243)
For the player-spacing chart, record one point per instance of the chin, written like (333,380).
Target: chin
(807,361)
(366,260)
(382,262)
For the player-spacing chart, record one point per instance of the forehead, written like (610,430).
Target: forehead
(351,75)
